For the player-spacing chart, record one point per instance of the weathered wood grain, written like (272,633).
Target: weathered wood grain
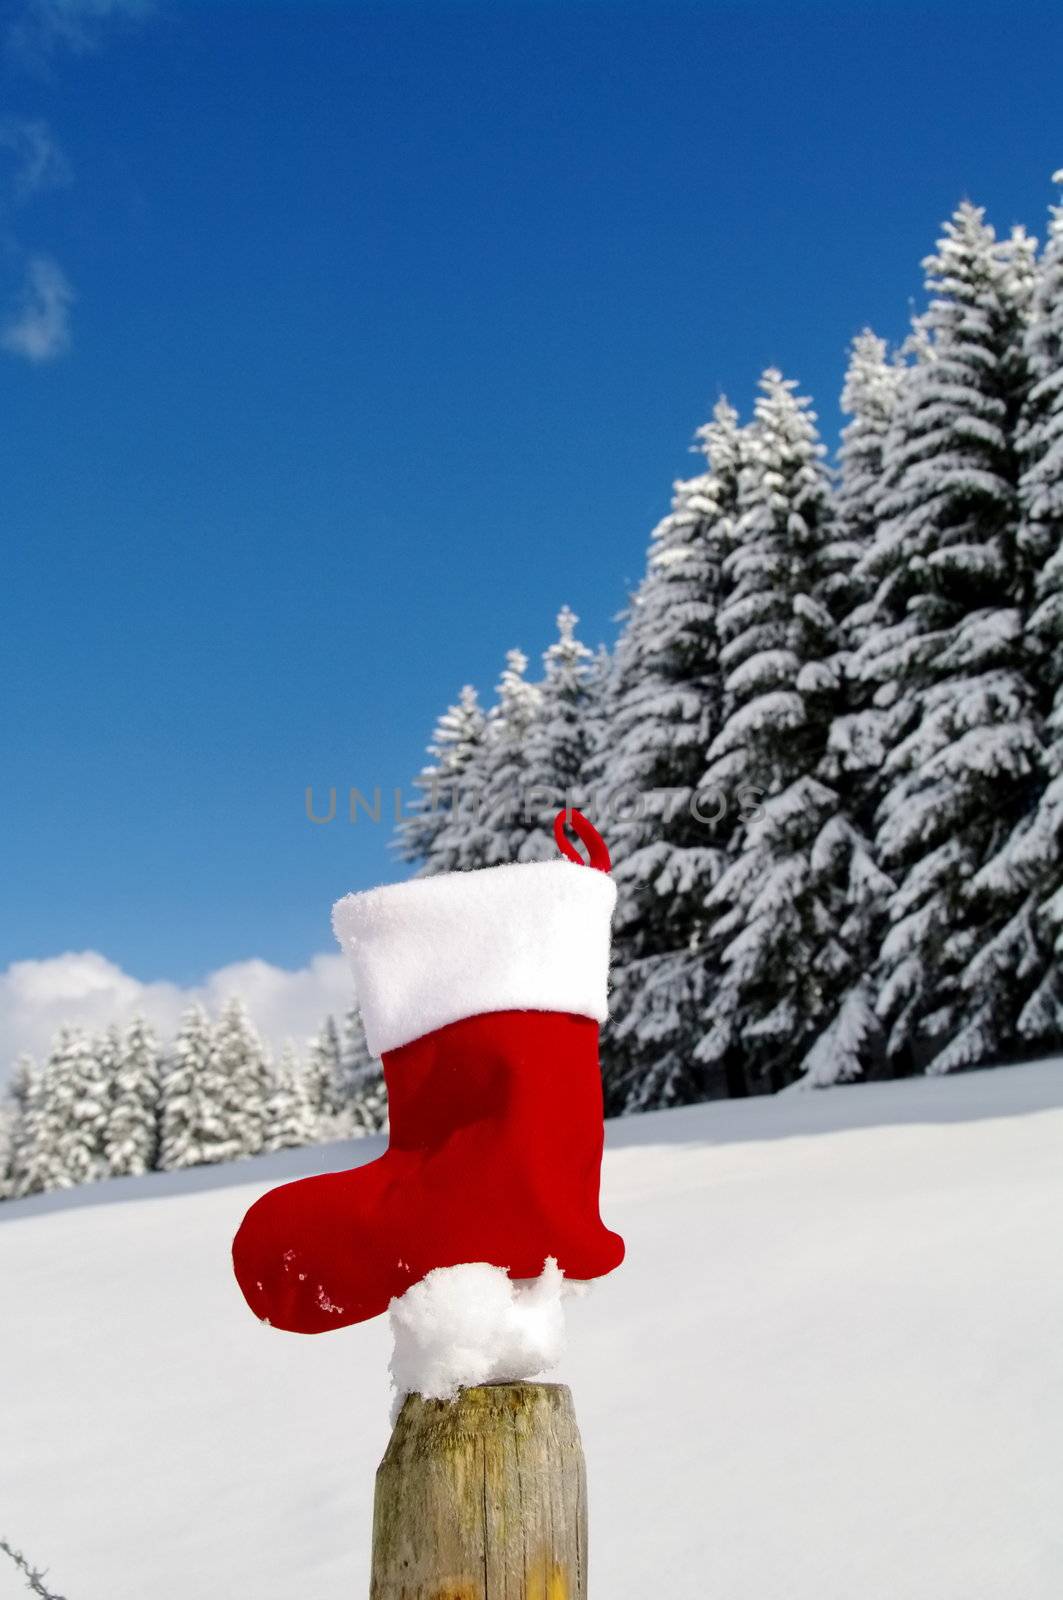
(483,1498)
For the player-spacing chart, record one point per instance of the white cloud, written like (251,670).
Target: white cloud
(86,989)
(34,34)
(39,159)
(41,28)
(39,326)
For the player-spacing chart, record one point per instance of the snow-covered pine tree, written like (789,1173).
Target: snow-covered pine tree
(9,1122)
(83,1092)
(195,1127)
(289,1121)
(490,825)
(369,1104)
(12,1121)
(851,1044)
(946,654)
(1033,859)
(365,1107)
(869,399)
(131,1136)
(559,738)
(1040,443)
(422,836)
(596,719)
(780,906)
(62,1132)
(8,1138)
(20,1084)
(242,1065)
(324,1077)
(354,1051)
(663,705)
(107,1047)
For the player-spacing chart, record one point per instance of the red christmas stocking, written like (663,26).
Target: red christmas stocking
(482,992)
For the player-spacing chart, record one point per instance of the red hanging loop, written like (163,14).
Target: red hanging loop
(587,833)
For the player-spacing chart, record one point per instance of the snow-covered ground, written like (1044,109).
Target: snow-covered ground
(831,1367)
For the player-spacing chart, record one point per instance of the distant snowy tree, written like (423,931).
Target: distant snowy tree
(289,1121)
(457,738)
(13,1108)
(324,1076)
(354,1051)
(558,740)
(10,1128)
(61,1142)
(131,1135)
(26,1170)
(241,1064)
(20,1085)
(195,1123)
(107,1048)
(663,710)
(780,907)
(364,1096)
(489,827)
(82,1090)
(945,654)
(369,1103)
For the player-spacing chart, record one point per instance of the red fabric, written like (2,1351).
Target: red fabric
(494,1155)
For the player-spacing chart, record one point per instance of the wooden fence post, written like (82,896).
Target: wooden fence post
(483,1497)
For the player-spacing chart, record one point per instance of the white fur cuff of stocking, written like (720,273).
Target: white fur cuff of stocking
(532,936)
(473,1324)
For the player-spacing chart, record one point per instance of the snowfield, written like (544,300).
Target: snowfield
(830,1369)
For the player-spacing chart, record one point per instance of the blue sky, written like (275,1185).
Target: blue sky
(388,330)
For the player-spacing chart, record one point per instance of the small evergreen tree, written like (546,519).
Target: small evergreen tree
(9,1132)
(325,1085)
(489,827)
(365,1098)
(663,710)
(289,1122)
(369,1104)
(455,742)
(558,739)
(242,1066)
(20,1084)
(131,1136)
(194,1125)
(81,1095)
(61,1139)
(13,1122)
(18,1101)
